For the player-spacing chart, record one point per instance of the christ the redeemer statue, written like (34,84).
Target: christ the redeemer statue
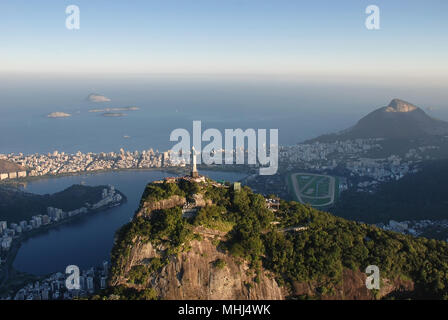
(194,170)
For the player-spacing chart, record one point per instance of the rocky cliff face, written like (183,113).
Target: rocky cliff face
(148,206)
(397,105)
(352,287)
(173,201)
(200,271)
(195,274)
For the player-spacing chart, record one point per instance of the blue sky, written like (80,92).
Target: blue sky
(309,38)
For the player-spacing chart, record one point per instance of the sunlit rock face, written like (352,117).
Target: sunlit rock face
(398,120)
(397,105)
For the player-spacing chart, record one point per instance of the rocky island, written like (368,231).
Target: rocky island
(94,97)
(114,114)
(59,115)
(132,108)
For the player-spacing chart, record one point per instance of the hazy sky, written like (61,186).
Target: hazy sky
(309,38)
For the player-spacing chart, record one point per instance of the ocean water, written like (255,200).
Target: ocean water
(88,241)
(299,111)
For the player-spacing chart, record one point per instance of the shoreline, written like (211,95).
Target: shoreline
(8,272)
(72,174)
(174,170)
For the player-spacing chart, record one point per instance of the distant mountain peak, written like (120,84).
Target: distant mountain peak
(398,105)
(400,119)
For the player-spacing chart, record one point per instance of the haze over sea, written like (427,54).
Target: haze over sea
(299,108)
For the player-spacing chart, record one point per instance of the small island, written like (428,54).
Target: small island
(114,114)
(59,115)
(94,97)
(132,108)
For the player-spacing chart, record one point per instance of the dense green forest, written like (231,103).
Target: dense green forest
(160,191)
(16,205)
(318,253)
(417,196)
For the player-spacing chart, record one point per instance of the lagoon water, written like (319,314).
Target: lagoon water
(87,241)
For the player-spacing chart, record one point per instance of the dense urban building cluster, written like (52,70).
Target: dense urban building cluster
(268,185)
(10,170)
(321,154)
(54,287)
(353,156)
(415,228)
(62,163)
(11,231)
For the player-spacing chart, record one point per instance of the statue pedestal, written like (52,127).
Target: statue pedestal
(194,174)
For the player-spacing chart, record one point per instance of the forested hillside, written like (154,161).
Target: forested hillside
(16,205)
(298,244)
(418,196)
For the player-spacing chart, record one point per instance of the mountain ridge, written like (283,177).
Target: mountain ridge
(398,120)
(235,247)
